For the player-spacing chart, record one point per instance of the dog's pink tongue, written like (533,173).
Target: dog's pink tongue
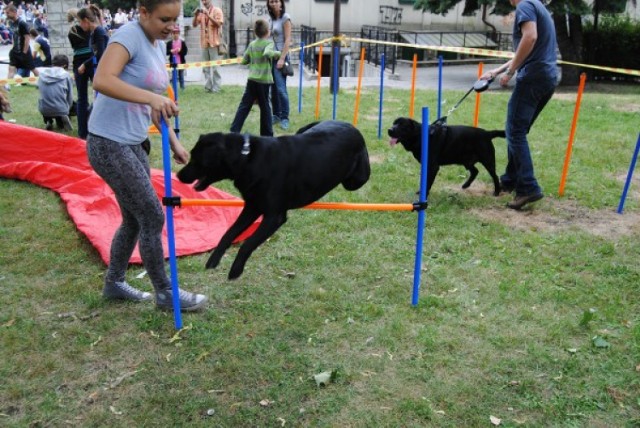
(393,141)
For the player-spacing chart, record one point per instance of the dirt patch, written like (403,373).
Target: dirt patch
(553,214)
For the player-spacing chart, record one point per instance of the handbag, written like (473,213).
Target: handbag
(287,69)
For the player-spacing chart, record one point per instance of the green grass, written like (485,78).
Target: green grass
(497,331)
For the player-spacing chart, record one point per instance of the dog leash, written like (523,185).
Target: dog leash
(480,86)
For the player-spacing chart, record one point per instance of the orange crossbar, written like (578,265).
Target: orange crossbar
(313,206)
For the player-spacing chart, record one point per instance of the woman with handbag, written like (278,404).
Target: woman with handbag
(281,33)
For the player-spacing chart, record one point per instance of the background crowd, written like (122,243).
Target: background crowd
(91,27)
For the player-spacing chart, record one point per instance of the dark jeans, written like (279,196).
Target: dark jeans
(254,91)
(526,102)
(82,87)
(279,95)
(180,77)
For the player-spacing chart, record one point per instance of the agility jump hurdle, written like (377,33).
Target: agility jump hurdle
(171,202)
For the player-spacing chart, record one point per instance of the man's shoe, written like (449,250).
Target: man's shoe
(275,120)
(189,302)
(123,291)
(49,126)
(520,201)
(284,124)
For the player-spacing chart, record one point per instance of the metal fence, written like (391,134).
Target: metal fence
(374,51)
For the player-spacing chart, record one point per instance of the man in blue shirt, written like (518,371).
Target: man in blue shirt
(535,66)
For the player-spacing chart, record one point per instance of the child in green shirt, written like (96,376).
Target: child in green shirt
(258,55)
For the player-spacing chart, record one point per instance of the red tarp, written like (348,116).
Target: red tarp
(60,163)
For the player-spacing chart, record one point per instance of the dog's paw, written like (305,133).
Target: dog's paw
(236,271)
(213,261)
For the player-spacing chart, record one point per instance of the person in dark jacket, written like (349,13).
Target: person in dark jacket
(82,52)
(177,51)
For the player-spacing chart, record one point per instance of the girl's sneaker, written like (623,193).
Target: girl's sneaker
(123,291)
(189,302)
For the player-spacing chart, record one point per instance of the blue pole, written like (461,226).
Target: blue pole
(300,71)
(166,160)
(382,66)
(440,62)
(174,78)
(632,166)
(423,199)
(336,60)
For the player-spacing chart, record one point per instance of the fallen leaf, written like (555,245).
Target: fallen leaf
(495,421)
(177,337)
(599,342)
(93,397)
(322,379)
(638,368)
(265,403)
(9,323)
(97,341)
(119,379)
(114,411)
(282,421)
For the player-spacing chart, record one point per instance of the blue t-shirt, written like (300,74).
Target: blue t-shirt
(541,62)
(122,121)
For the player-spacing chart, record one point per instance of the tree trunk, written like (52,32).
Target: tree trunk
(569,34)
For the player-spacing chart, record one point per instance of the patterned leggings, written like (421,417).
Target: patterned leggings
(126,170)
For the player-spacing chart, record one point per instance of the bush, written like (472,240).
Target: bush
(614,44)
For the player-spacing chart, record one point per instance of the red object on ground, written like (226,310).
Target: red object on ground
(59,162)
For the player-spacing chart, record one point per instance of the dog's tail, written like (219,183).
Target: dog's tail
(497,133)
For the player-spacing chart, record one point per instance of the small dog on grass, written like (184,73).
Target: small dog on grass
(276,174)
(449,145)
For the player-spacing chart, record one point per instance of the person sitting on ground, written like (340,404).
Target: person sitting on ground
(41,49)
(258,55)
(56,94)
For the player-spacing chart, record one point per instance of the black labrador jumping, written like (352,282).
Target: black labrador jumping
(449,145)
(277,174)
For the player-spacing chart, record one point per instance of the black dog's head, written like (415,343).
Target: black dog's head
(408,132)
(212,159)
(405,131)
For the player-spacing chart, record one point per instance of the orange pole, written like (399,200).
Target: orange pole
(413,85)
(477,110)
(313,206)
(318,90)
(170,94)
(360,73)
(572,134)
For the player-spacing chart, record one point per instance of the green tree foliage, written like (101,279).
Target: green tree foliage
(567,17)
